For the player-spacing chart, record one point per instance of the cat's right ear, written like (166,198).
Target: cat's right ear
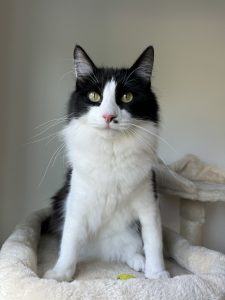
(84,66)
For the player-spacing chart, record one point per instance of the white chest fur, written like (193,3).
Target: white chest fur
(108,163)
(107,170)
(110,189)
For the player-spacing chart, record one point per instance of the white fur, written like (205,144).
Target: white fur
(108,105)
(110,189)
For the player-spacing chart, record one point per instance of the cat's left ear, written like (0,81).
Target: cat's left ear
(144,64)
(84,66)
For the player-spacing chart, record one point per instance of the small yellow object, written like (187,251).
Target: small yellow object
(125,276)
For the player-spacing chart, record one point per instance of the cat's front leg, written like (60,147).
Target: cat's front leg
(65,266)
(73,236)
(149,217)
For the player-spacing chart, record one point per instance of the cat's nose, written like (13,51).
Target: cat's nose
(108,117)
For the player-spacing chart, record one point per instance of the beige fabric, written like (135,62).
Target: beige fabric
(21,261)
(193,179)
(191,167)
(198,273)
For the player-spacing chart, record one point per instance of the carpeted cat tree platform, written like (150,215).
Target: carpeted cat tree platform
(197,272)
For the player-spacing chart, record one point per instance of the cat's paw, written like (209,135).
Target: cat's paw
(157,275)
(137,262)
(59,274)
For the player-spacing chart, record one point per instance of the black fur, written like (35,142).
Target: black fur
(54,223)
(144,105)
(136,80)
(154,185)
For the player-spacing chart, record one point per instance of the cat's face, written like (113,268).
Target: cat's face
(111,100)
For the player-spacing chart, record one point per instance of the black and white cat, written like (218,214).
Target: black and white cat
(111,141)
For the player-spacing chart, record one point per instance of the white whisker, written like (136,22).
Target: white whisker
(132,73)
(51,139)
(53,162)
(49,127)
(49,163)
(65,117)
(44,138)
(65,74)
(146,142)
(156,135)
(158,158)
(47,122)
(64,163)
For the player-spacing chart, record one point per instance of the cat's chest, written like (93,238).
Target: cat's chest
(111,166)
(106,175)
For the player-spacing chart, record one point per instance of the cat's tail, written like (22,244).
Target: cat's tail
(46,226)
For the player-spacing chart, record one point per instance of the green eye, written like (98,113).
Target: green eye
(128,97)
(94,97)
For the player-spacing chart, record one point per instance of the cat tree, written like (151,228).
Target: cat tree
(195,183)
(197,272)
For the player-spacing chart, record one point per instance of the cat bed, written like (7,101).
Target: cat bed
(197,272)
(195,183)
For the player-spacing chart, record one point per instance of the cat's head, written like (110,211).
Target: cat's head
(112,99)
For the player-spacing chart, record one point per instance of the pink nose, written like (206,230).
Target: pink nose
(108,118)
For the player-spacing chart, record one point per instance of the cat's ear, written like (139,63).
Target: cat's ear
(84,66)
(144,64)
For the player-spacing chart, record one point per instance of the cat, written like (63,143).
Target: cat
(107,208)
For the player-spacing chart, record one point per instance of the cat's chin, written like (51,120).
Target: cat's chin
(108,132)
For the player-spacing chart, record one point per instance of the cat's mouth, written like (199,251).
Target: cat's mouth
(115,126)
(109,127)
(112,127)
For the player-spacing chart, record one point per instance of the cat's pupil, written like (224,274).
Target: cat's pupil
(128,97)
(94,96)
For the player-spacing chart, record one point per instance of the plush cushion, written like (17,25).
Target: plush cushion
(24,257)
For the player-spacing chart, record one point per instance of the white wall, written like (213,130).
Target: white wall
(39,36)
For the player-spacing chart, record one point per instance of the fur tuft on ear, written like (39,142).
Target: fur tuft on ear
(144,64)
(84,66)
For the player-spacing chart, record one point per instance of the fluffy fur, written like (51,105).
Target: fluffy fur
(109,189)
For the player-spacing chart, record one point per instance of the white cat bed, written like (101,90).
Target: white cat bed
(198,273)
(194,182)
(20,264)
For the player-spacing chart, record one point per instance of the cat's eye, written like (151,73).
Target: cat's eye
(94,97)
(128,97)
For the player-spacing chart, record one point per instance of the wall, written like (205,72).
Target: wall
(4,79)
(189,73)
